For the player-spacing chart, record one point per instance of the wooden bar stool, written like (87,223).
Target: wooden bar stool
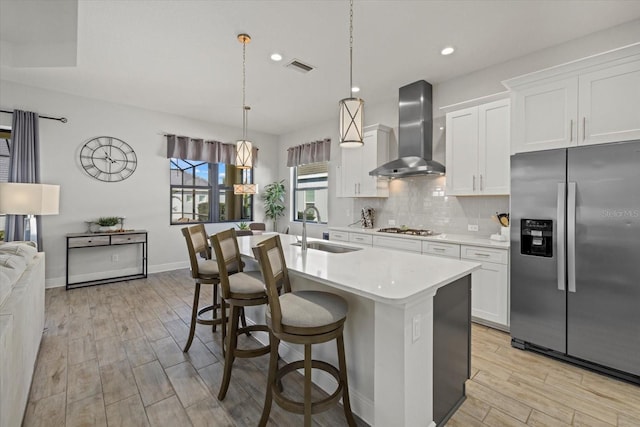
(205,272)
(239,290)
(302,317)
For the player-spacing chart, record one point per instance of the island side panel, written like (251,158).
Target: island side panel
(452,347)
(404,363)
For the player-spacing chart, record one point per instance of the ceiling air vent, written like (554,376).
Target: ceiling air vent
(299,66)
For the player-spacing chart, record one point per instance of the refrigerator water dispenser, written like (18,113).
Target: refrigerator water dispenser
(536,237)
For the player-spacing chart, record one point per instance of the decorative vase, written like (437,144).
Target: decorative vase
(106,228)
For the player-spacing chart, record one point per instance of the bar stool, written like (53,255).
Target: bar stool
(205,272)
(239,290)
(301,317)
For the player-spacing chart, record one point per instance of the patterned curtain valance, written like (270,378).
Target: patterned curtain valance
(311,152)
(184,147)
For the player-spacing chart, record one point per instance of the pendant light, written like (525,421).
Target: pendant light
(244,158)
(351,109)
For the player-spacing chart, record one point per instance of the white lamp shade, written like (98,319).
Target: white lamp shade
(244,158)
(29,199)
(351,122)
(245,188)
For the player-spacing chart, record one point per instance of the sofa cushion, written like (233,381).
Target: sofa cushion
(5,286)
(14,257)
(26,250)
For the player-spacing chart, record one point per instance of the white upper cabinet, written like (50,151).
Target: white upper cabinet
(609,104)
(591,101)
(357,162)
(477,144)
(545,116)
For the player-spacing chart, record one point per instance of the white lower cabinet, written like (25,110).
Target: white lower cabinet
(397,243)
(340,236)
(362,239)
(489,285)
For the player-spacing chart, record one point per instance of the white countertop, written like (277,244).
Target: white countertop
(384,275)
(461,239)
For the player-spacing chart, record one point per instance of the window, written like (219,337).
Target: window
(5,150)
(311,188)
(203,192)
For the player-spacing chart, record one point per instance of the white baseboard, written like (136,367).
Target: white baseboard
(56,282)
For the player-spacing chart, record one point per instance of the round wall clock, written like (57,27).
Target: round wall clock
(108,159)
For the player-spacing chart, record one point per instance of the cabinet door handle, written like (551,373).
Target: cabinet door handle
(355,188)
(584,128)
(571,130)
(481,185)
(474,183)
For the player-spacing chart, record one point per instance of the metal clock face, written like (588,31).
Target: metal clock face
(108,159)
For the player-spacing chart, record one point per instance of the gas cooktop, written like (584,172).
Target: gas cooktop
(408,231)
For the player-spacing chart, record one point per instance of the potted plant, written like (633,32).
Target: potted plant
(108,223)
(243,226)
(273,197)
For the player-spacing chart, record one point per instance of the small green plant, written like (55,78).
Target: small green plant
(108,221)
(243,226)
(274,197)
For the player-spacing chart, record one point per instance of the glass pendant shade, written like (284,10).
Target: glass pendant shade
(244,158)
(245,188)
(351,122)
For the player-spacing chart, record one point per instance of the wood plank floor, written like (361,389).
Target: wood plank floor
(112,355)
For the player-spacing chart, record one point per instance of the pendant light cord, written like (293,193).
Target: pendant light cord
(351,48)
(244,104)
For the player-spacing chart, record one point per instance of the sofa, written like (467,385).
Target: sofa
(21,325)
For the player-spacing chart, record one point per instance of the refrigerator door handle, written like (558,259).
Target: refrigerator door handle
(571,236)
(560,235)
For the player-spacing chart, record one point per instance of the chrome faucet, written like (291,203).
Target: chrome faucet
(304,225)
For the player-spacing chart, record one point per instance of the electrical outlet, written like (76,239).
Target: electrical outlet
(416,327)
(472,227)
(392,222)
(114,258)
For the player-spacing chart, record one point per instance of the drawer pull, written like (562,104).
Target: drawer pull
(480,254)
(89,241)
(439,249)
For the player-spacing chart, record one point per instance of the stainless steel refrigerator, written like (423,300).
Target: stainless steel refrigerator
(575,255)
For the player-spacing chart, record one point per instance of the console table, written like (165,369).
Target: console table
(84,241)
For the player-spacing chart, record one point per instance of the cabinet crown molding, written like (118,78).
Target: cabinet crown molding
(609,58)
(475,101)
(377,126)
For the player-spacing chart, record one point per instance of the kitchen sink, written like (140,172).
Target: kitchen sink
(328,247)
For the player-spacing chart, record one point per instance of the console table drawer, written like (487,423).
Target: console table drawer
(128,238)
(81,242)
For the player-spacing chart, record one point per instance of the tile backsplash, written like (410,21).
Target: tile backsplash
(420,202)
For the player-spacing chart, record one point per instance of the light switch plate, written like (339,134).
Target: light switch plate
(472,227)
(416,327)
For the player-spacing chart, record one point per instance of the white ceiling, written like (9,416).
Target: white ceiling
(182,57)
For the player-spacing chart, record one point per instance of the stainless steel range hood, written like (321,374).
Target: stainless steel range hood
(415,135)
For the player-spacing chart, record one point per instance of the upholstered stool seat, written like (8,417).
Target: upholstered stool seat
(302,310)
(306,318)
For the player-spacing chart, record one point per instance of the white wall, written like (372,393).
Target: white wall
(416,201)
(143,198)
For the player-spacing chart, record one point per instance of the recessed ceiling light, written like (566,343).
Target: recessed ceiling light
(276,57)
(447,51)
(355,89)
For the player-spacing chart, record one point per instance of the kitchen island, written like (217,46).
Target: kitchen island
(407,334)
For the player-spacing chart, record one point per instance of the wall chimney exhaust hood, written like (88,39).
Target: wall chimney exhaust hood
(415,135)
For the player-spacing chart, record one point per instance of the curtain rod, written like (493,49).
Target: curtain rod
(60,119)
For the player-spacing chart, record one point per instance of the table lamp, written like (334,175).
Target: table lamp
(29,200)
